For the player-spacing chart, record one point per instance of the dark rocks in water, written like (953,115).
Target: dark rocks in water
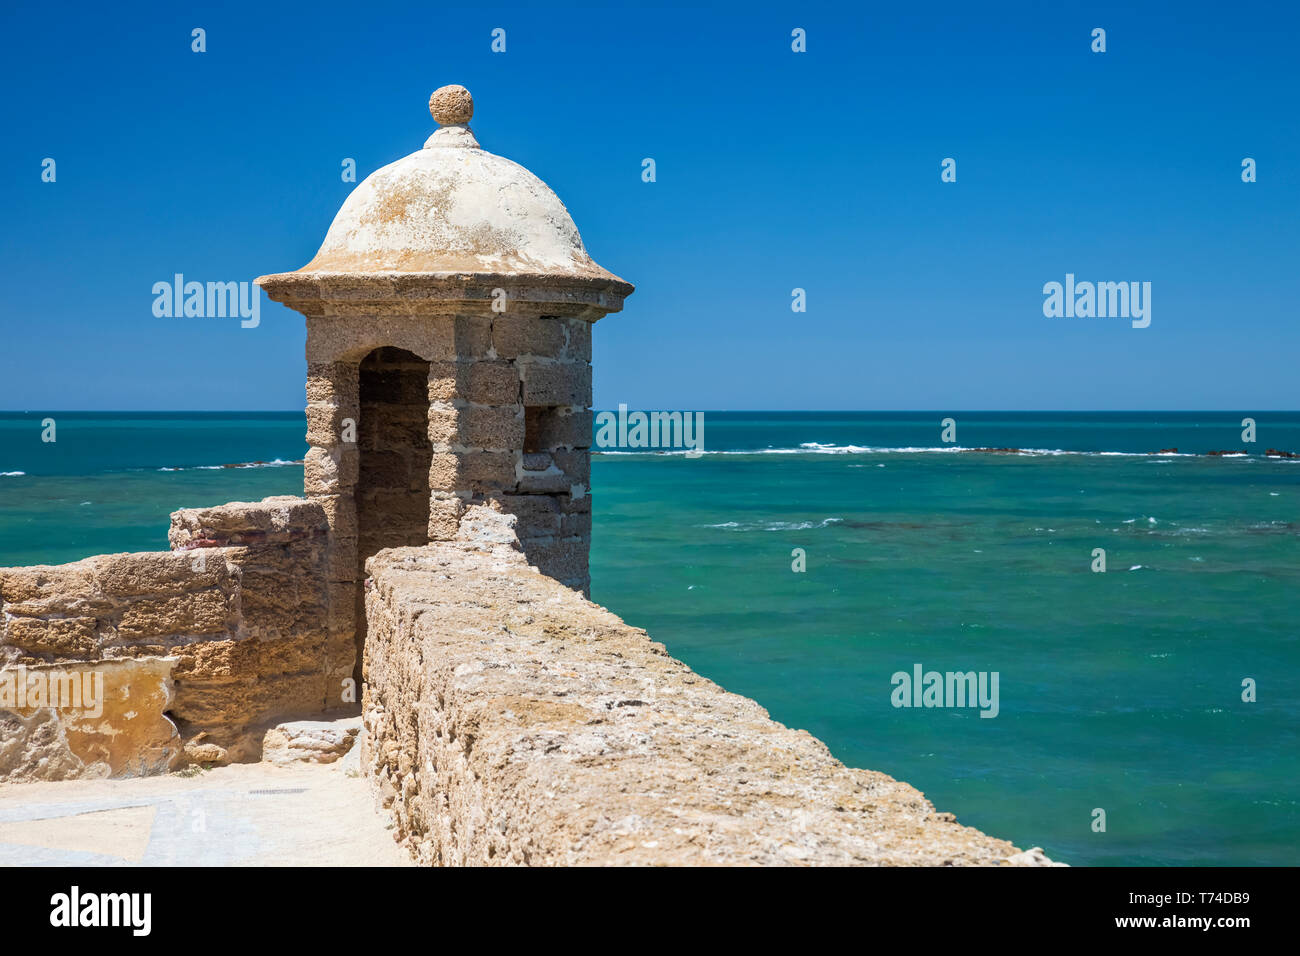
(997,451)
(889,525)
(1269,453)
(254,464)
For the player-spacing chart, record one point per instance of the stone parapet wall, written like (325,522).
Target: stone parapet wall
(281,659)
(235,617)
(511,721)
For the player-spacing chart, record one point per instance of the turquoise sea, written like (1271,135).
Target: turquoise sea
(1120,691)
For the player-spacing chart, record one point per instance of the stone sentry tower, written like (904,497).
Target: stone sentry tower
(449,315)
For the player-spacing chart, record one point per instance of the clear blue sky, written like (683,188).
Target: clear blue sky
(775,170)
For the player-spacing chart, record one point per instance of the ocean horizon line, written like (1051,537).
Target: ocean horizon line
(713,411)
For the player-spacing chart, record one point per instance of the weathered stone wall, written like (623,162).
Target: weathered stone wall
(280,659)
(511,721)
(236,613)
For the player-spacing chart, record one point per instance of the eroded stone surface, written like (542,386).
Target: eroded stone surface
(310,741)
(451,105)
(120,729)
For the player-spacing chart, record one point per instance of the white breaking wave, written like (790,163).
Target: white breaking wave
(773,525)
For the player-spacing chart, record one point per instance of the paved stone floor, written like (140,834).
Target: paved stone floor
(242,815)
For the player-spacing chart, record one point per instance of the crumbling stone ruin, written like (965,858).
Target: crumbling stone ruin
(434,574)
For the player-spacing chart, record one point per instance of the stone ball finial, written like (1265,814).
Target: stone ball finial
(451,105)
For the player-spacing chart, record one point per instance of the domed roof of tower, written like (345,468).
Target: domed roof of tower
(453,207)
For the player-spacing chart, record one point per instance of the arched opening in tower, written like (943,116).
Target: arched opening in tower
(392,495)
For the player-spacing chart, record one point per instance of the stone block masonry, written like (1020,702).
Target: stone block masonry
(511,721)
(212,639)
(452,410)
